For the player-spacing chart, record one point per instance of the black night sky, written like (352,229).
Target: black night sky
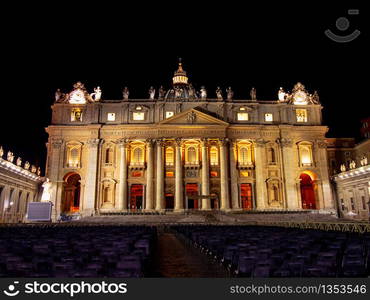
(45,48)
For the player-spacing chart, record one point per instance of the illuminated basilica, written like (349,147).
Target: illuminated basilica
(186,149)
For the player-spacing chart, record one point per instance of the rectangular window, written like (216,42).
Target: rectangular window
(111,116)
(138,116)
(170,174)
(214,174)
(76,115)
(268,117)
(169,114)
(244,174)
(342,204)
(363,202)
(352,204)
(301,115)
(243,117)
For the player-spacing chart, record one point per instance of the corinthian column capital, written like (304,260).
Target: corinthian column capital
(93,143)
(57,143)
(123,143)
(284,142)
(223,142)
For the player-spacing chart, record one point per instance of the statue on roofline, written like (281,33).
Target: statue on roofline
(161,92)
(230,93)
(10,156)
(1,151)
(281,94)
(151,93)
(96,96)
(253,94)
(219,93)
(203,92)
(192,93)
(26,165)
(315,98)
(125,93)
(19,161)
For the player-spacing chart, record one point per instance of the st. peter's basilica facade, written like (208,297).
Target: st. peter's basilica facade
(183,149)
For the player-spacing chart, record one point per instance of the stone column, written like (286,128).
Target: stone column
(149,202)
(91,172)
(287,155)
(233,177)
(322,163)
(122,194)
(206,202)
(179,197)
(260,178)
(225,201)
(160,205)
(55,163)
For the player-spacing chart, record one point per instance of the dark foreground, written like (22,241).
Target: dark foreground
(181,251)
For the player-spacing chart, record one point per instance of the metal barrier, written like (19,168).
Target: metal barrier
(326,226)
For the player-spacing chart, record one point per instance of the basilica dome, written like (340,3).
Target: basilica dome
(181,89)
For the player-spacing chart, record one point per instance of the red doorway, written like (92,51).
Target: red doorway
(72,191)
(246,196)
(192,190)
(170,200)
(136,196)
(307,192)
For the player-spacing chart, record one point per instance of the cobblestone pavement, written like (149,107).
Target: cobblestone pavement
(174,258)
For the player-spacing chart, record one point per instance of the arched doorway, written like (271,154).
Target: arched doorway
(72,192)
(307,191)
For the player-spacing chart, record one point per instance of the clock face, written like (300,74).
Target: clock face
(300,97)
(77,97)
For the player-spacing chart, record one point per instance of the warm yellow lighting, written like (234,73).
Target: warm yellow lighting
(138,116)
(214,156)
(305,155)
(300,98)
(76,115)
(244,174)
(301,115)
(169,156)
(243,117)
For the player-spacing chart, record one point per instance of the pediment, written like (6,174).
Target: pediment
(193,117)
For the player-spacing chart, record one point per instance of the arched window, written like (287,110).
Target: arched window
(109,156)
(138,156)
(169,156)
(214,156)
(192,155)
(73,155)
(305,154)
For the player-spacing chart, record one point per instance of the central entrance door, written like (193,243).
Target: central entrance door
(137,194)
(307,192)
(191,191)
(246,196)
(170,200)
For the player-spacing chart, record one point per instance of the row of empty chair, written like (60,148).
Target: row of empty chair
(251,251)
(76,251)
